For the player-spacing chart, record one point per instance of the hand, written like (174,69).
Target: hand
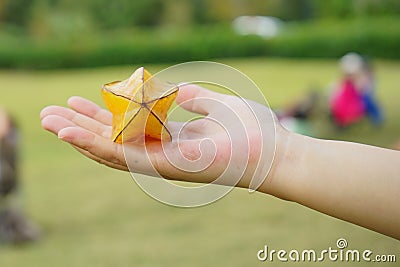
(234,141)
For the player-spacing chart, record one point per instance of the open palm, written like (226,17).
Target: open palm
(229,139)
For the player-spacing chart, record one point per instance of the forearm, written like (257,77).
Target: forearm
(353,182)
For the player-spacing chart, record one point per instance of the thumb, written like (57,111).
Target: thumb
(197,99)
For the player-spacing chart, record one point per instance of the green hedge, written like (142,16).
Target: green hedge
(380,38)
(137,48)
(374,37)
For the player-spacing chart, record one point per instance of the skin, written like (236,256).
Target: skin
(353,182)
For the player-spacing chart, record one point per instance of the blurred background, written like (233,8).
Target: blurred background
(69,33)
(89,215)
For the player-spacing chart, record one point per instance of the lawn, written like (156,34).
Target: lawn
(94,216)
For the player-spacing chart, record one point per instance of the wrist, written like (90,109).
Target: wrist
(287,167)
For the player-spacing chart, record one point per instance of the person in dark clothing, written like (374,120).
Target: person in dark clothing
(14,227)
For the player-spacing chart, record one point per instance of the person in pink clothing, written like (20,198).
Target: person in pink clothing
(347,105)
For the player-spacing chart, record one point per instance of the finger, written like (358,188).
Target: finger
(90,109)
(100,160)
(93,143)
(197,99)
(55,123)
(79,120)
(106,151)
(49,110)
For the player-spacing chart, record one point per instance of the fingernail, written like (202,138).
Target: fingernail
(64,138)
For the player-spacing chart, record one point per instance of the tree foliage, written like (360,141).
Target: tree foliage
(106,14)
(15,12)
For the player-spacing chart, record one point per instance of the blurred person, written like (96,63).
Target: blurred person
(346,104)
(14,227)
(345,180)
(367,85)
(296,116)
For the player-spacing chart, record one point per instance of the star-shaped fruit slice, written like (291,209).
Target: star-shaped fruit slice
(139,106)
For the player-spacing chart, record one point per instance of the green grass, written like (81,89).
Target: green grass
(94,216)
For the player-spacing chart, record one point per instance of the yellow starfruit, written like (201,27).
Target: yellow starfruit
(139,106)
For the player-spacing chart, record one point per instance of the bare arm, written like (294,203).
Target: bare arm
(353,182)
(349,181)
